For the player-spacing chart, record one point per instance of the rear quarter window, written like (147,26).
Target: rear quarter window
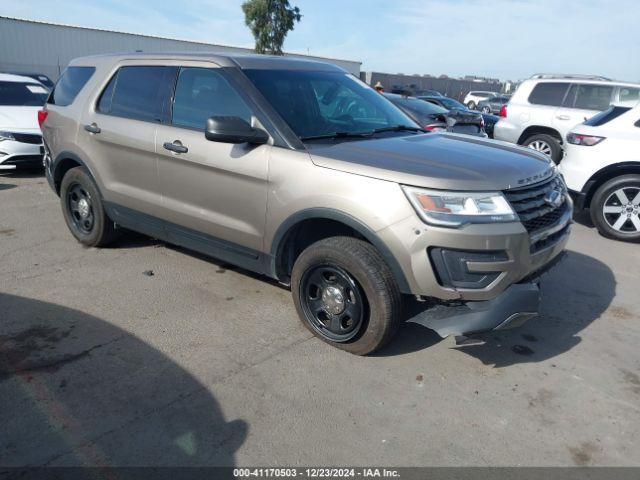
(606,116)
(69,85)
(548,93)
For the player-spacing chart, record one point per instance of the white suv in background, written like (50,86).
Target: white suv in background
(20,136)
(602,170)
(472,98)
(545,107)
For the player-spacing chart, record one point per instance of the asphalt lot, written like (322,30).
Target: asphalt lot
(203,364)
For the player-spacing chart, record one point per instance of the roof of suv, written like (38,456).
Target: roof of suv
(244,61)
(588,81)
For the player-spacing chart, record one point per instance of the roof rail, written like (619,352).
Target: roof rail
(569,76)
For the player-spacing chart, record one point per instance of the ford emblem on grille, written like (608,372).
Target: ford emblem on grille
(554,198)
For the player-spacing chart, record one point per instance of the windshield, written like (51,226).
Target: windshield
(317,103)
(17,94)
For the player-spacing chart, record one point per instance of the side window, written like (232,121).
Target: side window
(69,85)
(104,103)
(139,93)
(570,98)
(202,93)
(629,94)
(593,97)
(548,93)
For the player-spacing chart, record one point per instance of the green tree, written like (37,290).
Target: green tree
(269,22)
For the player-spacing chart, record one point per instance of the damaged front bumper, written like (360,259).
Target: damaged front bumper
(510,309)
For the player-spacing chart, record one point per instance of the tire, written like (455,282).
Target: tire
(545,144)
(471,105)
(607,196)
(95,229)
(486,110)
(373,290)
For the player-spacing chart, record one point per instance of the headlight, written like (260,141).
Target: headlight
(454,209)
(6,136)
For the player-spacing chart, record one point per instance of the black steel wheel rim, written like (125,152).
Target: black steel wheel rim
(80,208)
(333,302)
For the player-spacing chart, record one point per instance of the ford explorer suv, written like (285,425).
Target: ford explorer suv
(546,107)
(299,171)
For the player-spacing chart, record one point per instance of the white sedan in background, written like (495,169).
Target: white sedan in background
(602,170)
(20,136)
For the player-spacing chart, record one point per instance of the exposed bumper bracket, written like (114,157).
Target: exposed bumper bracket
(510,309)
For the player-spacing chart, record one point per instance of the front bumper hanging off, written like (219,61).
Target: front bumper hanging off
(510,309)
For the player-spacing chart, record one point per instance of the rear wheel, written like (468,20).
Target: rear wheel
(83,211)
(546,144)
(615,208)
(471,105)
(345,294)
(486,109)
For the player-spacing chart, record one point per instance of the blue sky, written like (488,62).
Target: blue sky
(508,39)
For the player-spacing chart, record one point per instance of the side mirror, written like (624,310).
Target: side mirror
(228,129)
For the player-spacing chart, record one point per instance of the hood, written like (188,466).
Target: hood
(437,160)
(22,119)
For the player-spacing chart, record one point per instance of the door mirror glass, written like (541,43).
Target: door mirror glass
(228,129)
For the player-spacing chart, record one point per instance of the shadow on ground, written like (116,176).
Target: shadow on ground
(574,294)
(76,390)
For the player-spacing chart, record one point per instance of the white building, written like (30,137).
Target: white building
(37,47)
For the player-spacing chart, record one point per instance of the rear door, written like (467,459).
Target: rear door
(118,133)
(582,101)
(216,189)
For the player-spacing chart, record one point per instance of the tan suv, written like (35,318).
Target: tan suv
(299,171)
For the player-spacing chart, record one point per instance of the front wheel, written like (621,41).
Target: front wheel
(345,294)
(615,208)
(471,105)
(486,110)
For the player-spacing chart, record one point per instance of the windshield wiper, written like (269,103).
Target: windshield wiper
(398,128)
(336,135)
(394,128)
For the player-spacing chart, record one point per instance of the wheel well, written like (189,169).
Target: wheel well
(303,234)
(62,168)
(537,130)
(606,174)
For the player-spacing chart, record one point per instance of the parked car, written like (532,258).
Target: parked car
(602,170)
(472,99)
(546,107)
(43,79)
(434,93)
(434,118)
(455,106)
(493,104)
(298,171)
(20,137)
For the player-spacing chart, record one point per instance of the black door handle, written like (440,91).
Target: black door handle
(92,128)
(176,147)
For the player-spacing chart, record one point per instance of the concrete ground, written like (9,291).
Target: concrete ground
(145,354)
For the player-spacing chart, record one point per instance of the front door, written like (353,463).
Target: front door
(211,188)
